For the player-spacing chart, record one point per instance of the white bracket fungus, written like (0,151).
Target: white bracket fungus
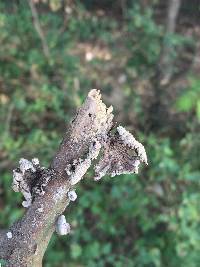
(35,161)
(72,195)
(122,155)
(25,165)
(9,235)
(62,227)
(30,179)
(131,142)
(82,166)
(20,183)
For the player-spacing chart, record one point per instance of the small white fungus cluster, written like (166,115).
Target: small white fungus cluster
(9,235)
(62,227)
(72,195)
(82,166)
(40,209)
(101,172)
(25,165)
(131,142)
(19,182)
(120,169)
(35,162)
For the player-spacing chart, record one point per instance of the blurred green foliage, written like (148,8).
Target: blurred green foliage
(189,100)
(144,42)
(148,220)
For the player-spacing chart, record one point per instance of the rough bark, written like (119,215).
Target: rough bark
(25,242)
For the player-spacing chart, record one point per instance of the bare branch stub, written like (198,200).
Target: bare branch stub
(48,191)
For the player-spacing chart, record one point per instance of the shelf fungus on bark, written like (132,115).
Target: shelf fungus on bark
(35,162)
(30,179)
(122,154)
(72,195)
(9,235)
(132,143)
(22,179)
(62,226)
(78,168)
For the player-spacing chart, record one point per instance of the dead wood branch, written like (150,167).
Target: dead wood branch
(47,192)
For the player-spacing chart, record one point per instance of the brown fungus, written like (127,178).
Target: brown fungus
(122,154)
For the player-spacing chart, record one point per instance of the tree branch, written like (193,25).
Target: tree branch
(47,190)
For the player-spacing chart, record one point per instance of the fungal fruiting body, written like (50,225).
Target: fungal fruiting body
(131,142)
(58,194)
(72,195)
(122,154)
(101,171)
(82,166)
(25,165)
(21,180)
(30,179)
(9,235)
(35,162)
(40,209)
(62,227)
(17,178)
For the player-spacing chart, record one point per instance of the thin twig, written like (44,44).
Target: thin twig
(166,62)
(38,29)
(8,119)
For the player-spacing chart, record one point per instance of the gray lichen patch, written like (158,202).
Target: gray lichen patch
(122,155)
(58,194)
